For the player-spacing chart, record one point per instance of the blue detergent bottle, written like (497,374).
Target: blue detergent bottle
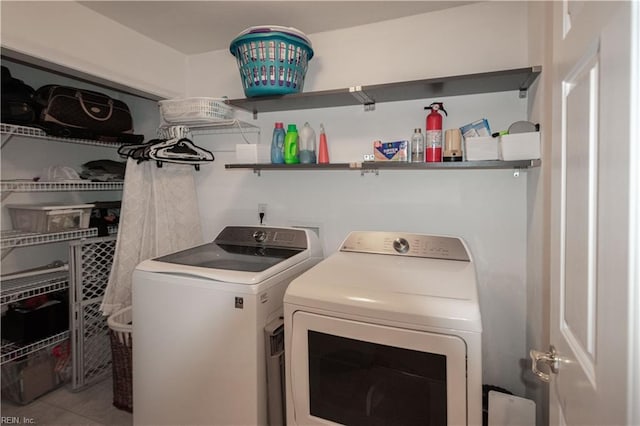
(277,144)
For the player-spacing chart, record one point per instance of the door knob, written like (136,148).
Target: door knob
(550,358)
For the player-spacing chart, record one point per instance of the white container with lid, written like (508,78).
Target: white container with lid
(50,218)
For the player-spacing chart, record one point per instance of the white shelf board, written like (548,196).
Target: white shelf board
(30,186)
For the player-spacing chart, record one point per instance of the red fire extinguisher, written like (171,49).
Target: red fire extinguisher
(433,142)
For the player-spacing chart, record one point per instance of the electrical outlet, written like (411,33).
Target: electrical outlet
(262,212)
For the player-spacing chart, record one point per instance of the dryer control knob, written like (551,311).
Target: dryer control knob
(260,236)
(401,245)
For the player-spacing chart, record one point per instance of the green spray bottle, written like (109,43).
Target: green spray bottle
(291,148)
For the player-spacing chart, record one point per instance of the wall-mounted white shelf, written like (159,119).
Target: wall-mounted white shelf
(375,167)
(10,130)
(12,351)
(218,127)
(30,186)
(23,288)
(13,239)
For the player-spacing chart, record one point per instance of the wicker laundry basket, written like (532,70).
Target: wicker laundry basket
(120,327)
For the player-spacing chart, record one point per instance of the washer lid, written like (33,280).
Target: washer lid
(401,288)
(245,255)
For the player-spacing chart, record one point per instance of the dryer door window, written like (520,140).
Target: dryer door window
(355,373)
(353,382)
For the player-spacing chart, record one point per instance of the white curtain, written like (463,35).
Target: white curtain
(159,215)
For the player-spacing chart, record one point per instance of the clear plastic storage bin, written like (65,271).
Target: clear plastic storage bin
(50,218)
(30,377)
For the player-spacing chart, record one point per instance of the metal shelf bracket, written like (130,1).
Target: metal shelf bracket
(362,97)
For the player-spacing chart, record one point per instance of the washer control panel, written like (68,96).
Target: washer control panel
(263,236)
(404,244)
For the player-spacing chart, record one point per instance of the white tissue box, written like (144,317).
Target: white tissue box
(520,146)
(253,153)
(481,148)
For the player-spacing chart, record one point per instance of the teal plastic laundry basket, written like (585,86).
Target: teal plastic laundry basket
(272,60)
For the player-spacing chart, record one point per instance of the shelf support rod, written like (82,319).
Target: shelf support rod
(6,251)
(9,134)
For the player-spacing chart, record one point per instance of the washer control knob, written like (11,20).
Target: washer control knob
(401,245)
(259,236)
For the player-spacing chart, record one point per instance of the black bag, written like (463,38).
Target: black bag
(105,214)
(54,129)
(18,105)
(83,109)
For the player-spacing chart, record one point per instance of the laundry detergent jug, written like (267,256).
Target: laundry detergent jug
(291,149)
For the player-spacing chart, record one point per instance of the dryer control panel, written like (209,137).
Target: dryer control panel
(405,244)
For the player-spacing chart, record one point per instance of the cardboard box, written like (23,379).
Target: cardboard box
(520,146)
(478,128)
(390,151)
(481,148)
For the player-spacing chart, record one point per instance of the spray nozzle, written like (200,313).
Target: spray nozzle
(437,106)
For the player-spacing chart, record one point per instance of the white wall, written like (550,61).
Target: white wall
(69,35)
(469,39)
(487,208)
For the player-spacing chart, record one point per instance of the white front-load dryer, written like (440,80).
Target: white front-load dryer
(385,331)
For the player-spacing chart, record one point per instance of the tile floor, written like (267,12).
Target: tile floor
(91,406)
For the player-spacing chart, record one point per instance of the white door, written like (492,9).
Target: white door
(591,212)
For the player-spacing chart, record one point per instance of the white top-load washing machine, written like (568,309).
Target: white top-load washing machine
(385,331)
(198,321)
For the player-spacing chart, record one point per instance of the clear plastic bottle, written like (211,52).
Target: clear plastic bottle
(307,144)
(417,147)
(277,144)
